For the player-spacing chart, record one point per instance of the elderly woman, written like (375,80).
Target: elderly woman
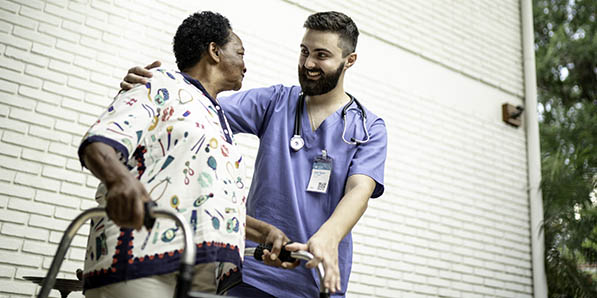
(168,141)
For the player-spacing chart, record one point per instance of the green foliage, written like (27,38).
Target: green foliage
(566,58)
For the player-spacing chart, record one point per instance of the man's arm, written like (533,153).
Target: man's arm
(324,243)
(126,195)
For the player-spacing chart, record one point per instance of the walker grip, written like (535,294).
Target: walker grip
(148,220)
(284,254)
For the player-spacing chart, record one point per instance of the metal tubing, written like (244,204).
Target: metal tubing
(67,238)
(301,255)
(188,256)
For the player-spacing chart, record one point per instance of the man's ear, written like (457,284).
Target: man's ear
(213,52)
(350,60)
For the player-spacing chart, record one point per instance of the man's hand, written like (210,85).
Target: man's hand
(138,75)
(324,250)
(124,202)
(262,232)
(277,238)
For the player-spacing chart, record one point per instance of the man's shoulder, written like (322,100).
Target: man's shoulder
(274,89)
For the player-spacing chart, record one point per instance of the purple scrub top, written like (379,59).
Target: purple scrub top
(278,193)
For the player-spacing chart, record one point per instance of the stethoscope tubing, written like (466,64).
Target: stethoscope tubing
(297,142)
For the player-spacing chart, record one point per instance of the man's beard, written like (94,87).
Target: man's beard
(322,85)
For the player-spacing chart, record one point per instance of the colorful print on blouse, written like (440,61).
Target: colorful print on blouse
(175,139)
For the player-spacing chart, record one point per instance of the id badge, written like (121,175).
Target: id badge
(320,173)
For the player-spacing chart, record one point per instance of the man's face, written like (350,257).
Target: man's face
(321,63)
(232,62)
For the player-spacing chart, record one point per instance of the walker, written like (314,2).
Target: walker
(187,260)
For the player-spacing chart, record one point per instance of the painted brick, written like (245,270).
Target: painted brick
(19,78)
(7,271)
(39,248)
(75,165)
(16,190)
(46,74)
(56,199)
(30,206)
(3,201)
(9,243)
(21,272)
(3,111)
(77,254)
(92,181)
(67,68)
(8,86)
(78,241)
(60,173)
(77,190)
(48,222)
(34,36)
(37,95)
(16,287)
(89,202)
(25,56)
(24,231)
(5,27)
(9,6)
(87,86)
(68,266)
(12,64)
(35,4)
(26,141)
(53,53)
(59,33)
(40,16)
(49,134)
(43,157)
(6,175)
(64,14)
(14,216)
(10,124)
(56,111)
(15,19)
(66,213)
(62,90)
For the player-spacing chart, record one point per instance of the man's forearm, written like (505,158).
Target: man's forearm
(102,161)
(350,209)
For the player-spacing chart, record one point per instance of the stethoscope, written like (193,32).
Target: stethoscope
(297,142)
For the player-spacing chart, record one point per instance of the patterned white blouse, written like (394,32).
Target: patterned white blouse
(175,138)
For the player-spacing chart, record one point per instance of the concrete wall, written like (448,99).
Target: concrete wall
(454,220)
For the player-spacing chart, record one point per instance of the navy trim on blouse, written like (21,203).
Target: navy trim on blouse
(114,144)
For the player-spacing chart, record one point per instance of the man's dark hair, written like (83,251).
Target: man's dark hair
(193,36)
(336,22)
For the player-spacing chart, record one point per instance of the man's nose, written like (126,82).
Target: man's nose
(310,63)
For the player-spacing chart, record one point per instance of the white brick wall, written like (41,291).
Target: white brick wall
(453,221)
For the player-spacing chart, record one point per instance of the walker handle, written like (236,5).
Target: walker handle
(148,220)
(284,254)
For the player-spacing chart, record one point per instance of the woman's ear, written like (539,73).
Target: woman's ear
(213,52)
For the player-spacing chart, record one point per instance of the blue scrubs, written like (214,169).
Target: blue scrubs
(278,191)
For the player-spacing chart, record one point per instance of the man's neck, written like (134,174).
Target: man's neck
(332,99)
(319,107)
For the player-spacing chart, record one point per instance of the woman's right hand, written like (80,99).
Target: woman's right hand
(138,75)
(124,202)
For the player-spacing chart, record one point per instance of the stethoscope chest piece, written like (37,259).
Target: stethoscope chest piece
(297,142)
